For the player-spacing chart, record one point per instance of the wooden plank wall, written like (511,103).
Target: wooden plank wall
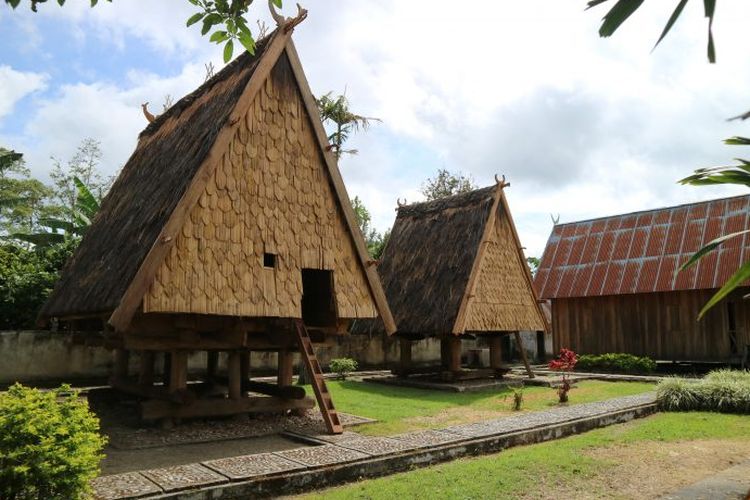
(503,299)
(271,194)
(660,325)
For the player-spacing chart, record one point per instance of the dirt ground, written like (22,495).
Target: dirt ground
(651,469)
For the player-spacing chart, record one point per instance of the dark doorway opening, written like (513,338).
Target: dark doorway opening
(318,307)
(541,352)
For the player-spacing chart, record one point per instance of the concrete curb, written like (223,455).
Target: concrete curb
(372,467)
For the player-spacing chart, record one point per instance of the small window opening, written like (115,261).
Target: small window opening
(269,260)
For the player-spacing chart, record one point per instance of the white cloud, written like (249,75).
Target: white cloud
(15,85)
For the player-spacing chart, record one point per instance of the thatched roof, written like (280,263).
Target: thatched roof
(428,262)
(169,152)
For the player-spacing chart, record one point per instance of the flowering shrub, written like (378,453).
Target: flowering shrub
(565,362)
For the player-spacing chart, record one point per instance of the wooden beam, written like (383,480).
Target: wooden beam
(405,359)
(376,288)
(184,396)
(455,354)
(285,368)
(144,277)
(283,392)
(178,371)
(154,410)
(245,366)
(167,369)
(523,355)
(496,352)
(212,365)
(234,372)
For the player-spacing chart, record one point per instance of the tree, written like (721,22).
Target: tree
(335,111)
(212,14)
(731,174)
(84,165)
(533,263)
(373,239)
(23,200)
(447,183)
(68,229)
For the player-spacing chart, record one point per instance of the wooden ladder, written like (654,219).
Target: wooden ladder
(325,402)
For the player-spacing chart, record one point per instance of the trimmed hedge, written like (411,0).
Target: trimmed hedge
(615,363)
(724,391)
(50,445)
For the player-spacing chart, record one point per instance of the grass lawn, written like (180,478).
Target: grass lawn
(641,459)
(402,409)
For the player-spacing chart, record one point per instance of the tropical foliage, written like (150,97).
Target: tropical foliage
(726,391)
(739,173)
(226,20)
(335,113)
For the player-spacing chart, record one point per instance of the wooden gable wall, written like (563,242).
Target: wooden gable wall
(270,194)
(502,299)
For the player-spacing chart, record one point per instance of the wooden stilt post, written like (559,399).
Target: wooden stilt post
(146,375)
(523,355)
(405,360)
(234,372)
(245,366)
(178,371)
(212,365)
(167,371)
(121,362)
(286,368)
(496,355)
(455,354)
(445,350)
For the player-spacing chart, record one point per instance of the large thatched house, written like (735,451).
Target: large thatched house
(613,285)
(228,230)
(454,269)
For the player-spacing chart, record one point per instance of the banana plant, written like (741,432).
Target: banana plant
(60,230)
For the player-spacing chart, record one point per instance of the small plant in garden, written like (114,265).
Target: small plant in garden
(50,446)
(616,363)
(565,362)
(343,366)
(517,399)
(726,391)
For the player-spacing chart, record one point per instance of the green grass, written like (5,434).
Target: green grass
(543,469)
(401,409)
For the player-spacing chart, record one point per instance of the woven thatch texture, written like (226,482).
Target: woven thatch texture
(428,259)
(502,299)
(169,152)
(272,193)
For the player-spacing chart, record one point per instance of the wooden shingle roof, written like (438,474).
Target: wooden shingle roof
(640,252)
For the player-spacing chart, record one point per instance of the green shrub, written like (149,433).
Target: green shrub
(616,363)
(50,447)
(343,366)
(721,390)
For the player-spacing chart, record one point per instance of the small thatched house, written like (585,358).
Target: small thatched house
(613,284)
(454,269)
(228,230)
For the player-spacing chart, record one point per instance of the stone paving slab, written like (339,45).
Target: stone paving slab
(376,445)
(182,477)
(128,485)
(427,438)
(549,417)
(247,466)
(337,438)
(322,455)
(732,483)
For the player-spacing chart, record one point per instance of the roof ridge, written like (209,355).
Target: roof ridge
(638,212)
(452,201)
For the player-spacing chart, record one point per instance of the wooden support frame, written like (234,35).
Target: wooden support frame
(146,373)
(178,371)
(234,373)
(121,364)
(154,409)
(523,354)
(285,368)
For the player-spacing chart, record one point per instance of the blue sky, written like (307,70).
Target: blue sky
(582,127)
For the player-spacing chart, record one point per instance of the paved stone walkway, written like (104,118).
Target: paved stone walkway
(348,447)
(730,484)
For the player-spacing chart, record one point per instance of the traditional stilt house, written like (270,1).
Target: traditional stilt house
(229,230)
(454,269)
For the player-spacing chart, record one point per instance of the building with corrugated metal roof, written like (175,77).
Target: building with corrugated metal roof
(613,288)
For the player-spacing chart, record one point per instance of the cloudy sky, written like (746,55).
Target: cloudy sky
(581,126)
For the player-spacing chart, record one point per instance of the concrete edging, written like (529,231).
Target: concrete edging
(327,476)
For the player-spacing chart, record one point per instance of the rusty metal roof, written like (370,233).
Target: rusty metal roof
(639,252)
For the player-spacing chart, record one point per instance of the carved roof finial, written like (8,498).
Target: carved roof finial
(288,23)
